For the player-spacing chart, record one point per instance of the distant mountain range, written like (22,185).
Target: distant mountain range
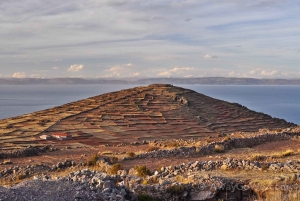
(199,80)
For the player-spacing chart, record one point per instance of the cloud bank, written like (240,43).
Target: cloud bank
(218,38)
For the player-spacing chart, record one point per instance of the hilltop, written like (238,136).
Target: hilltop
(136,114)
(157,142)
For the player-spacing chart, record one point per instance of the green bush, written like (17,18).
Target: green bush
(142,171)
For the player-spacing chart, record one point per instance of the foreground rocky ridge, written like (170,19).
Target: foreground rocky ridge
(192,181)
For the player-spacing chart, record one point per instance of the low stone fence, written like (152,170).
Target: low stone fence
(25,152)
(210,148)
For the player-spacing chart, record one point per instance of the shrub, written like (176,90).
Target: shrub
(93,160)
(145,182)
(224,167)
(180,178)
(144,197)
(153,180)
(219,148)
(21,176)
(256,157)
(114,159)
(142,171)
(264,167)
(176,189)
(130,154)
(115,168)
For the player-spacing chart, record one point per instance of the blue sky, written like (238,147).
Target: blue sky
(157,38)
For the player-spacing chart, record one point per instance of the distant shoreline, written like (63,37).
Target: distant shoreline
(147,81)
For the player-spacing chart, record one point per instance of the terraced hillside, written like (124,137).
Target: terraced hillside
(142,113)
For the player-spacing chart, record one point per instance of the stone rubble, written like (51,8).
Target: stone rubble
(191,181)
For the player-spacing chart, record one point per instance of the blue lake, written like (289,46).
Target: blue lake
(277,101)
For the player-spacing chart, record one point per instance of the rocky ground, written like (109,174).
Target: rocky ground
(192,181)
(224,169)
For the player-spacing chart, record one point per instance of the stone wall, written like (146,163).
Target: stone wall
(29,151)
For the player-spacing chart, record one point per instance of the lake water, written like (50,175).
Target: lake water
(277,101)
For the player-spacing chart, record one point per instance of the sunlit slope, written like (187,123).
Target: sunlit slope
(141,113)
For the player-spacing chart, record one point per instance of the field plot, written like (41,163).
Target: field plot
(141,113)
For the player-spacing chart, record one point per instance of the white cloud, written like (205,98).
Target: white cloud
(37,76)
(19,75)
(177,71)
(260,73)
(75,68)
(264,72)
(126,70)
(163,30)
(55,68)
(210,56)
(269,72)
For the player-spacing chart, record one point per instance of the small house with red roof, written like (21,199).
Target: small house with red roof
(46,137)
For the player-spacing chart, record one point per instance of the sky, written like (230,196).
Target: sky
(157,38)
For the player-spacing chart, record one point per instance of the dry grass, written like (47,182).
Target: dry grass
(283,154)
(257,157)
(279,195)
(7,162)
(92,161)
(130,154)
(153,149)
(288,152)
(106,153)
